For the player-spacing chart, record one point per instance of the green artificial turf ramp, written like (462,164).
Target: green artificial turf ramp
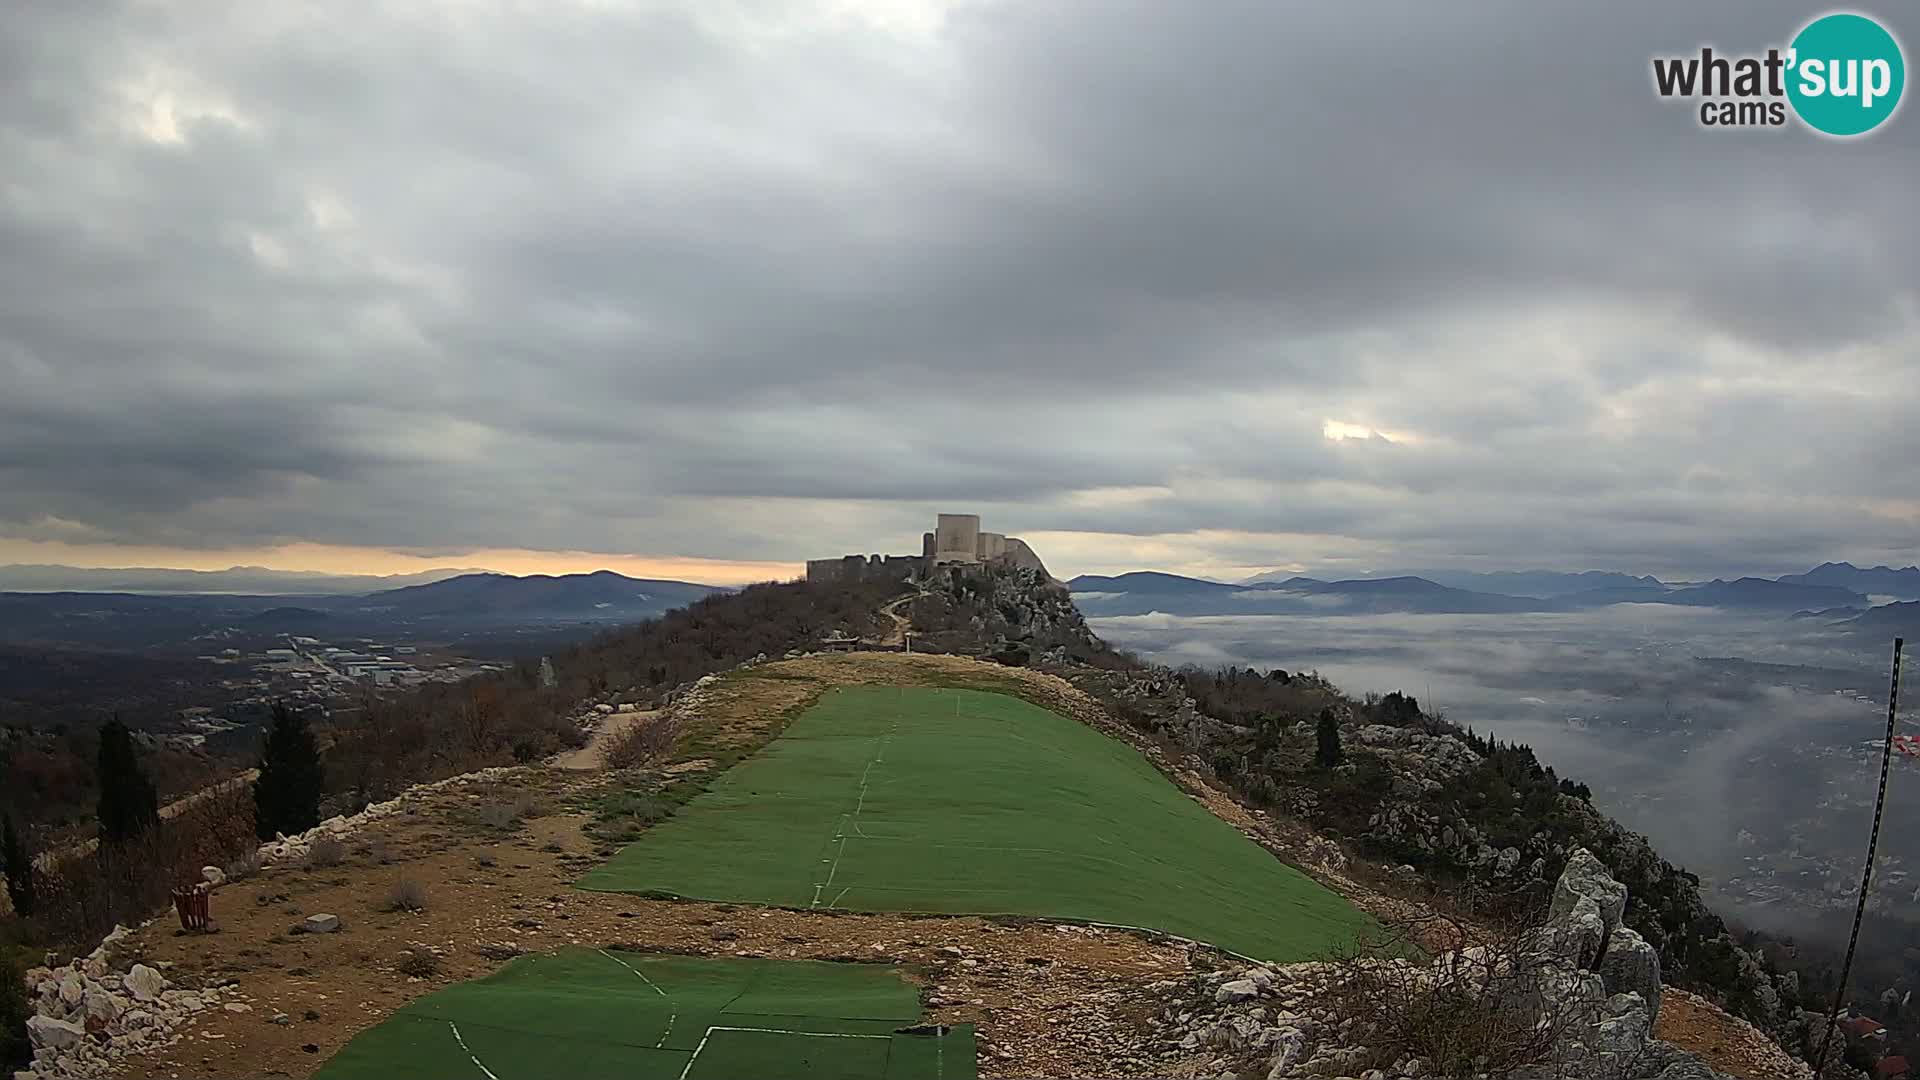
(588,1014)
(959,801)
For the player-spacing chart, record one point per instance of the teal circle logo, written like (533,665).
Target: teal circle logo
(1845,74)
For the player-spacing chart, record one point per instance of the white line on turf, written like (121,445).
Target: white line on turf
(470,1054)
(673,1008)
(835,868)
(839,832)
(769,1031)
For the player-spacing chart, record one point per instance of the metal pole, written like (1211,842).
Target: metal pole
(1866,875)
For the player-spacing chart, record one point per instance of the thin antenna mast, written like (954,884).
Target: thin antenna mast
(1866,874)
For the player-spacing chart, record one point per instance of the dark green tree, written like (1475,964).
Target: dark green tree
(1328,732)
(129,805)
(18,862)
(16,1048)
(286,798)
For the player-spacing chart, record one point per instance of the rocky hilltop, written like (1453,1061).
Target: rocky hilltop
(1577,996)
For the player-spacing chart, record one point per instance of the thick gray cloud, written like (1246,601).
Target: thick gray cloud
(762,281)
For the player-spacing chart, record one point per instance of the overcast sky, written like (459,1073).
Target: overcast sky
(1213,287)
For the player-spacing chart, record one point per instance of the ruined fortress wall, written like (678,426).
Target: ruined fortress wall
(1019,554)
(864,568)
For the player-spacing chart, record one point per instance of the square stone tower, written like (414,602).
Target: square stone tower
(956,538)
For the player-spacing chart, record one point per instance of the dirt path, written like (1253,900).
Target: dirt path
(902,624)
(594,754)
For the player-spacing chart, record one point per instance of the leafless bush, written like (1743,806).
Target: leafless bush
(419,963)
(496,815)
(245,866)
(641,743)
(1496,1006)
(406,895)
(503,810)
(325,851)
(81,896)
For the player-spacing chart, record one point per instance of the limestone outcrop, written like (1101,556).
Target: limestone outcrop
(1583,978)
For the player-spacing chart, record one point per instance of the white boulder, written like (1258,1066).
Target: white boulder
(53,1034)
(144,983)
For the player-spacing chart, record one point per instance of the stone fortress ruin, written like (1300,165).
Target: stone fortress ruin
(956,540)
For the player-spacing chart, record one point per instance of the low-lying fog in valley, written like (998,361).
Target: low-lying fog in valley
(1746,745)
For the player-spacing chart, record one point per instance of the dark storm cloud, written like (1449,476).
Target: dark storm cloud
(755,281)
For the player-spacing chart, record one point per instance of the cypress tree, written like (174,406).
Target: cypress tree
(1328,732)
(19,868)
(286,798)
(16,1047)
(129,805)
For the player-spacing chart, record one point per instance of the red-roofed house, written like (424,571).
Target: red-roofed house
(1863,1028)
(1892,1068)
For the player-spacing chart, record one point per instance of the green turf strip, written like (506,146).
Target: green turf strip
(958,801)
(586,1014)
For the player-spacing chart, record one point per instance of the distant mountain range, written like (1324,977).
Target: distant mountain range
(602,593)
(233,581)
(1145,592)
(1534,583)
(1878,580)
(466,603)
(1900,619)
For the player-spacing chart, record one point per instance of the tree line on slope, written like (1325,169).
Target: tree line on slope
(375,747)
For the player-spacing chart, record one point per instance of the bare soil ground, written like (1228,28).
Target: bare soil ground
(1728,1043)
(1046,999)
(1031,988)
(594,754)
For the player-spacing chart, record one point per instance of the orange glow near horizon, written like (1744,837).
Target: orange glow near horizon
(341,559)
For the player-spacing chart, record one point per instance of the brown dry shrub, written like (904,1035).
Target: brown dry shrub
(419,963)
(325,851)
(82,896)
(642,743)
(244,865)
(1478,1011)
(406,894)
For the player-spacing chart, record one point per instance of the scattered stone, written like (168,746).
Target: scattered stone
(53,1034)
(1237,990)
(144,983)
(213,876)
(238,1007)
(322,923)
(101,1006)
